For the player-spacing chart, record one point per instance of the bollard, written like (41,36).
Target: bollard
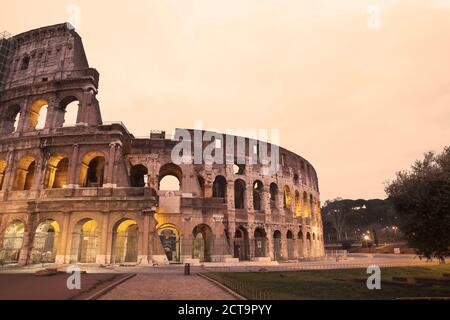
(187,269)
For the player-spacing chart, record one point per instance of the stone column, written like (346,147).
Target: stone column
(110,166)
(284,249)
(104,237)
(266,199)
(9,172)
(62,256)
(145,254)
(27,242)
(73,166)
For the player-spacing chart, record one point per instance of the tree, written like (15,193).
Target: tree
(336,214)
(421,197)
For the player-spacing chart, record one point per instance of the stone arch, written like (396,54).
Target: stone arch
(57,171)
(257,195)
(92,169)
(37,114)
(311,206)
(239,194)
(298,204)
(10,119)
(241,244)
(290,244)
(25,172)
(220,187)
(3,165)
(202,242)
(305,205)
(277,245)
(125,241)
(260,237)
(273,195)
(168,176)
(85,241)
(138,176)
(45,242)
(169,236)
(308,244)
(68,111)
(287,197)
(300,244)
(12,242)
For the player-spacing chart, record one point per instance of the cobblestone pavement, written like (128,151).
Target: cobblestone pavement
(163,286)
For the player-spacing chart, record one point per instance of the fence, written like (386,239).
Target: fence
(336,254)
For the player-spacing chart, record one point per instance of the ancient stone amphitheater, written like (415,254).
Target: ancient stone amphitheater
(91,192)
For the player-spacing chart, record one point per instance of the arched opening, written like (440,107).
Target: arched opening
(138,176)
(92,170)
(257,195)
(290,244)
(287,197)
(296,179)
(57,171)
(241,245)
(300,244)
(25,171)
(2,172)
(202,243)
(85,241)
(12,242)
(69,108)
(125,242)
(170,240)
(38,114)
(170,177)
(311,205)
(239,194)
(298,204)
(220,187)
(10,120)
(260,242)
(238,168)
(273,195)
(305,205)
(308,244)
(277,245)
(44,242)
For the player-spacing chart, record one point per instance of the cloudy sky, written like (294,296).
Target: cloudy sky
(360,88)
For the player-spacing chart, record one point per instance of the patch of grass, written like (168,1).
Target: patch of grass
(347,284)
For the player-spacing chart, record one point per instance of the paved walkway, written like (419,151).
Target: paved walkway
(163,286)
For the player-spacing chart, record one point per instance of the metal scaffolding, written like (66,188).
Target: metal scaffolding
(7,46)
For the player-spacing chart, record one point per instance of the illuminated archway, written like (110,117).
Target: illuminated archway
(287,197)
(298,204)
(56,173)
(92,169)
(12,242)
(306,209)
(37,114)
(125,242)
(2,172)
(85,241)
(44,242)
(170,240)
(25,171)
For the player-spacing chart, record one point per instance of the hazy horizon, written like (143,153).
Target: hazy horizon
(359,98)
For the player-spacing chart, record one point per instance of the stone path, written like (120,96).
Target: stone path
(163,286)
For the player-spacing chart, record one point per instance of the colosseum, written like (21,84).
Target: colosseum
(91,192)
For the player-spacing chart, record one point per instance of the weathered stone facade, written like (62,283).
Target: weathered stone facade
(90,192)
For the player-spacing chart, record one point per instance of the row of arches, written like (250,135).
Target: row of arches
(38,116)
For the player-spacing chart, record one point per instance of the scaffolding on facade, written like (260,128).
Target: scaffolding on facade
(7,45)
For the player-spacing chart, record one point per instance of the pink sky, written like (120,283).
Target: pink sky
(359,104)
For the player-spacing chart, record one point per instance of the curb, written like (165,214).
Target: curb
(223,287)
(109,287)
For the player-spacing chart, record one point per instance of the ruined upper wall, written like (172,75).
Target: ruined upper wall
(45,54)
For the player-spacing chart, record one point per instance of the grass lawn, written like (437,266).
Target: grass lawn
(337,284)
